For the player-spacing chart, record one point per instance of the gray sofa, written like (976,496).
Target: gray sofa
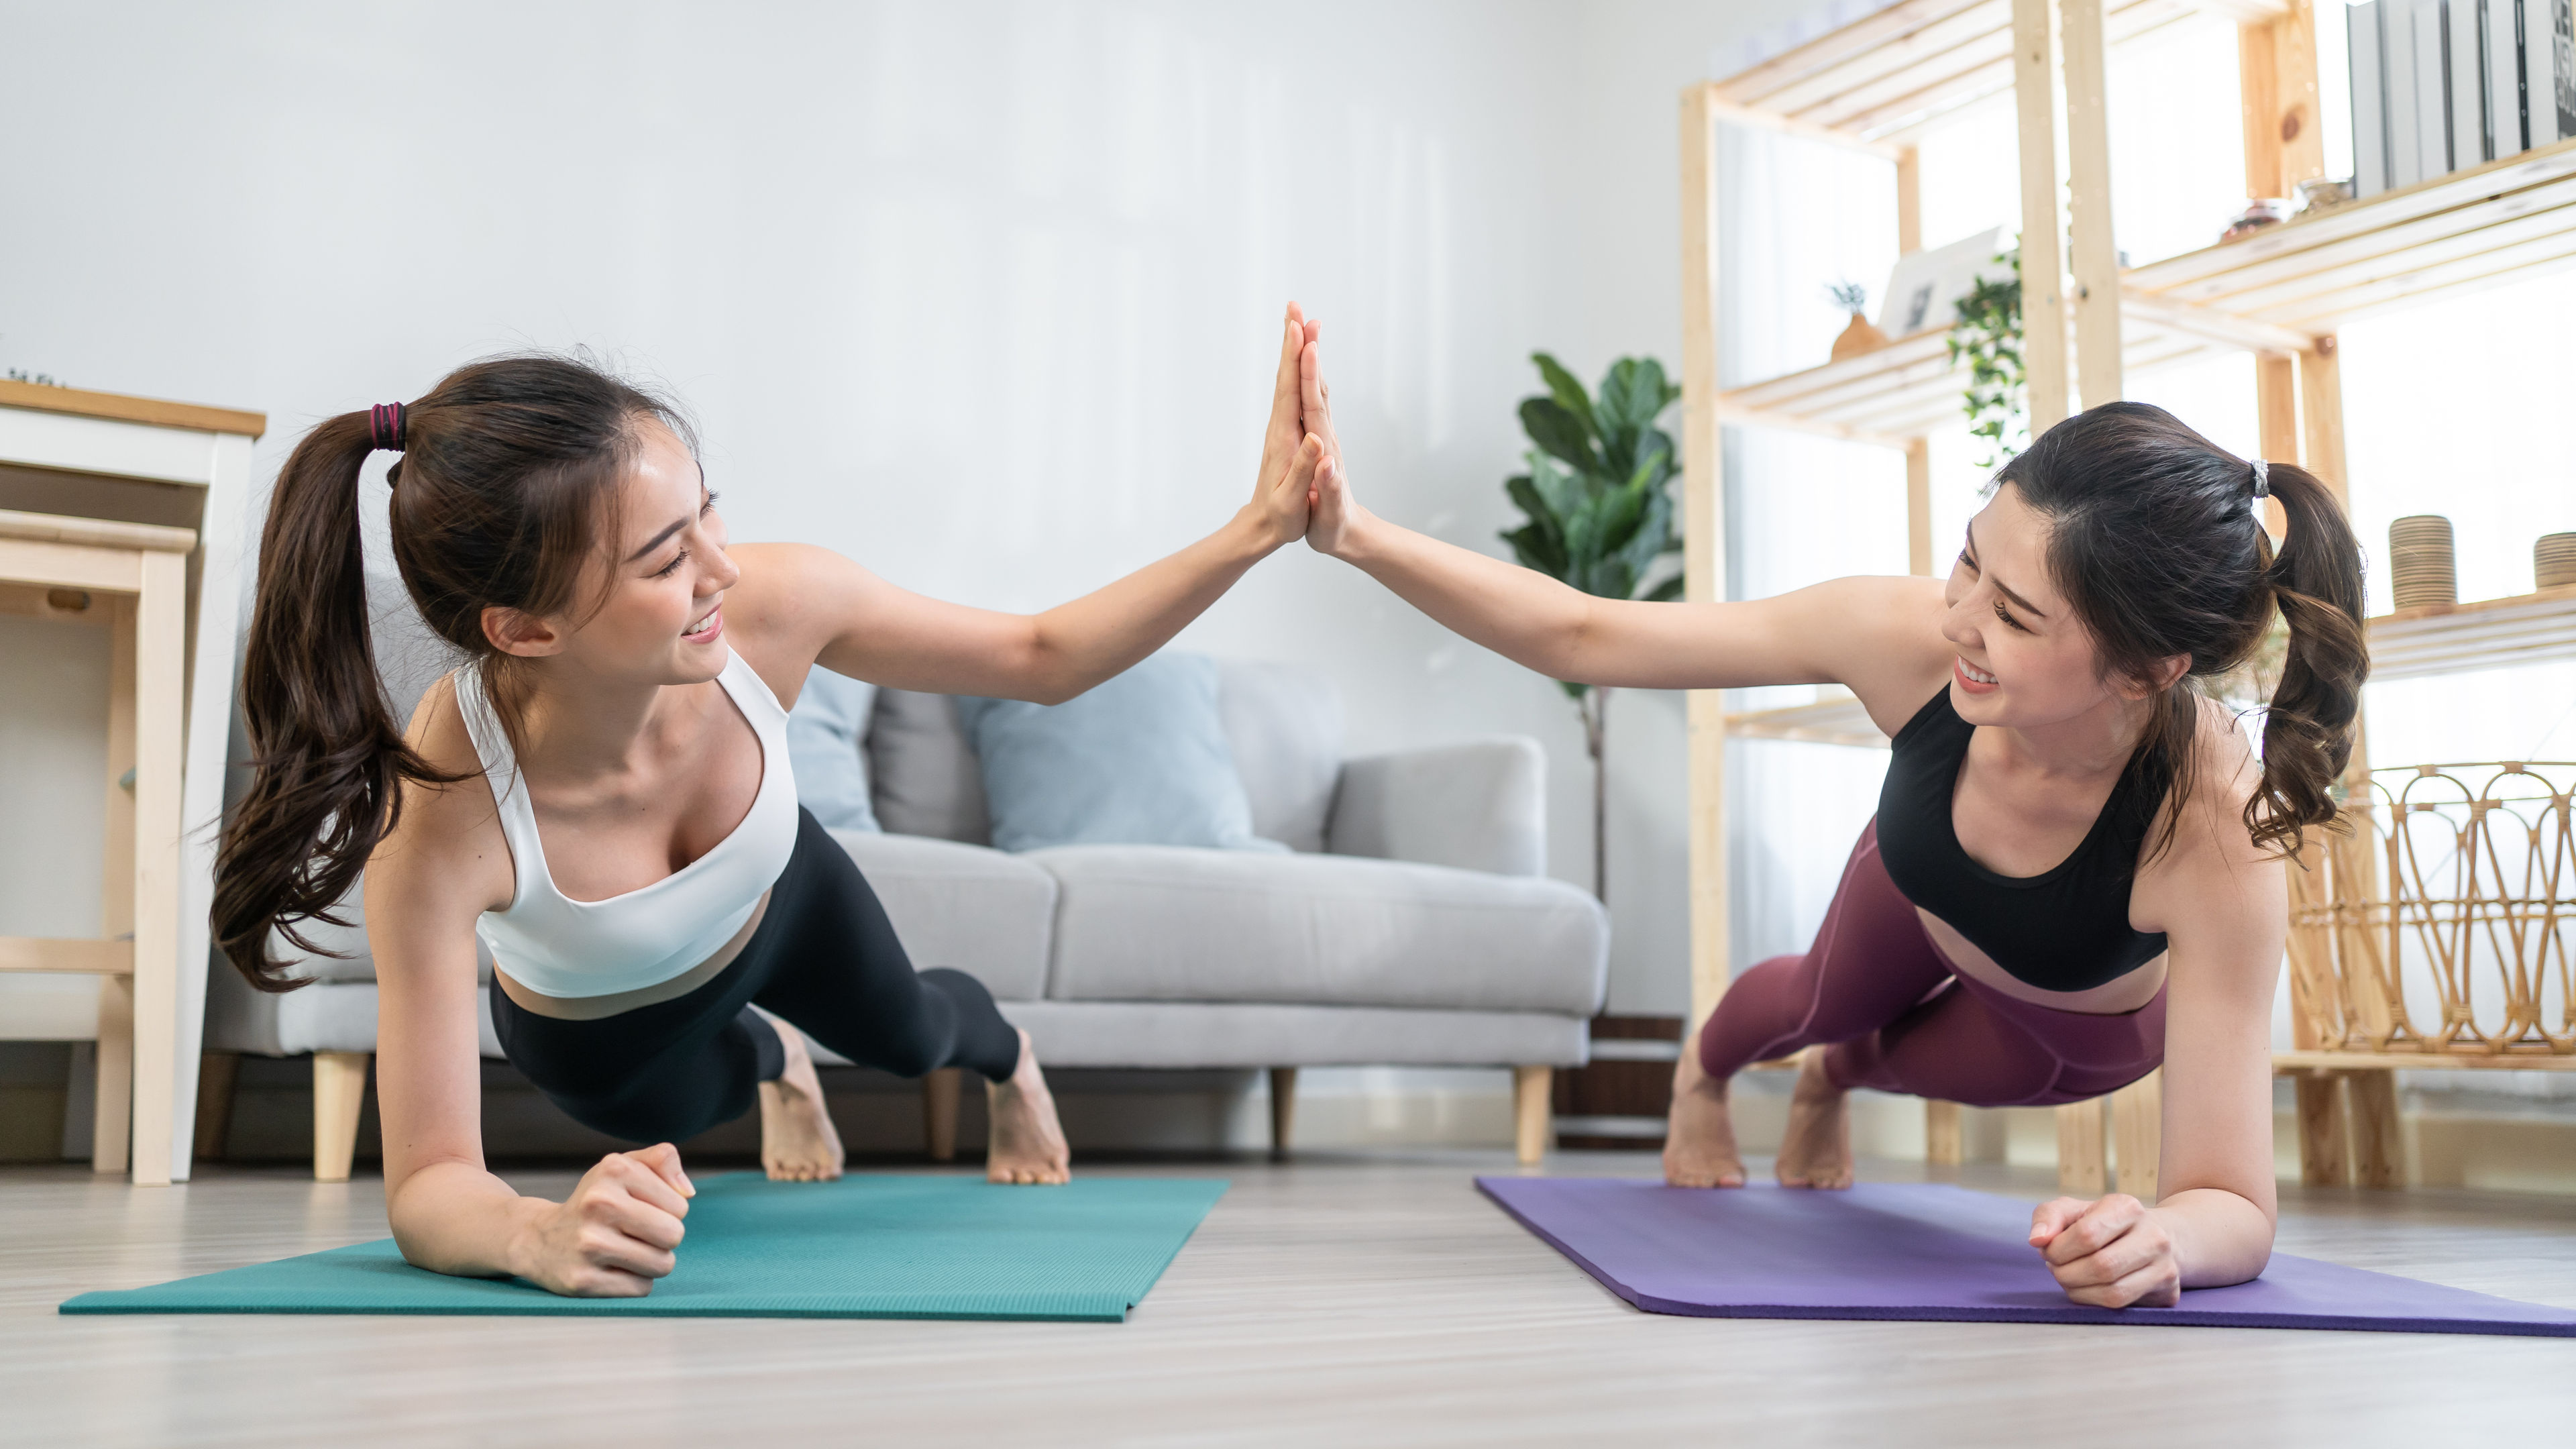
(1409,924)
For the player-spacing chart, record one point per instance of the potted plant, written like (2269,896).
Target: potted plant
(1860,336)
(1600,514)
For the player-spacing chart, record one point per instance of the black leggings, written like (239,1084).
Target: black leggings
(824,957)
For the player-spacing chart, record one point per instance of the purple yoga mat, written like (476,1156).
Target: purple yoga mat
(1929,1251)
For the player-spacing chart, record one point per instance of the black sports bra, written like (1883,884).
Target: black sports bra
(2066,929)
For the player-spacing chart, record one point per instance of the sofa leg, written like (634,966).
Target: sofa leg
(339,1091)
(1532,1111)
(1283,1108)
(216,1072)
(939,1113)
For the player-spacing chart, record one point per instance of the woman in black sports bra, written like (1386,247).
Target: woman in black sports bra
(2075,872)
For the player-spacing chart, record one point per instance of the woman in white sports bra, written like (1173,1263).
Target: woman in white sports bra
(602,795)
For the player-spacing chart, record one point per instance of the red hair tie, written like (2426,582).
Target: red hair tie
(385,427)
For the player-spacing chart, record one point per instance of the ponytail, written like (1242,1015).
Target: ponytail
(510,473)
(2316,583)
(327,758)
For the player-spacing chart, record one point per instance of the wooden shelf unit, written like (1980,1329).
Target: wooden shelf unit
(2501,222)
(1836,719)
(2482,634)
(2276,292)
(1906,68)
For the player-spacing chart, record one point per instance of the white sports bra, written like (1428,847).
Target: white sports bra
(565,948)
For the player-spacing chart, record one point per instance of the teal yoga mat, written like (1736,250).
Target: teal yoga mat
(861,1247)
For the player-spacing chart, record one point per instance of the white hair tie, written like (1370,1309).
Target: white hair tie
(2262,479)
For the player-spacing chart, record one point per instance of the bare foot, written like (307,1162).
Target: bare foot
(797,1143)
(1699,1139)
(1815,1151)
(1027,1143)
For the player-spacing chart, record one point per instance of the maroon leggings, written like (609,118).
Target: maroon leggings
(1901,1020)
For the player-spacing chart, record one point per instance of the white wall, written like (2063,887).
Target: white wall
(981,294)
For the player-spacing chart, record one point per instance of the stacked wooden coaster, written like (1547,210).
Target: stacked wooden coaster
(2553,560)
(2420,567)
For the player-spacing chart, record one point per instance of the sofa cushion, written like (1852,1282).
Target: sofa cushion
(1159,923)
(1285,726)
(328,1016)
(921,771)
(985,913)
(1138,759)
(827,743)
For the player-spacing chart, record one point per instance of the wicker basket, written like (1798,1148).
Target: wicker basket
(2443,922)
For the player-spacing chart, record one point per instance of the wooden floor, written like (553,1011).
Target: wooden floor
(1337,1300)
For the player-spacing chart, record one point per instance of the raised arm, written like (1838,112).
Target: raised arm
(809,605)
(1879,636)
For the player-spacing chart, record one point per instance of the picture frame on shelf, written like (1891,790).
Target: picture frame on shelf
(1923,291)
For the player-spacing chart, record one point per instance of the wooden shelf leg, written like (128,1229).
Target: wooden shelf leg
(1944,1144)
(2322,1161)
(2137,1129)
(1703,546)
(1283,1108)
(2378,1143)
(2045,358)
(1532,1105)
(2081,1170)
(339,1092)
(111,1138)
(2321,413)
(939,1113)
(2093,256)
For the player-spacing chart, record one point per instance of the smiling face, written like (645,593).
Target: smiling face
(2023,658)
(657,589)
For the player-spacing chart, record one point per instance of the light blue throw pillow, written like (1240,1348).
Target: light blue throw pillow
(825,735)
(1139,760)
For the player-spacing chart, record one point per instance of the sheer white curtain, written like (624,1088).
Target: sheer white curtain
(1795,217)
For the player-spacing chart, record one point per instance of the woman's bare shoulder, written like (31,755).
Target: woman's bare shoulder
(2225,776)
(1885,632)
(779,613)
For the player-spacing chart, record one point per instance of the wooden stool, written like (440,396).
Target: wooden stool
(133,575)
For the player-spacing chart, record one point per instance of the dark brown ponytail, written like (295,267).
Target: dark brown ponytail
(509,476)
(2154,539)
(2307,729)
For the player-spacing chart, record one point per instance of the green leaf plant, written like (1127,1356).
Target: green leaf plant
(1988,336)
(1600,512)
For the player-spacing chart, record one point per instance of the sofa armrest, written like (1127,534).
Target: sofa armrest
(1477,806)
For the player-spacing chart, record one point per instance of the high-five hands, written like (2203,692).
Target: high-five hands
(1285,485)
(1332,513)
(2112,1252)
(615,1234)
